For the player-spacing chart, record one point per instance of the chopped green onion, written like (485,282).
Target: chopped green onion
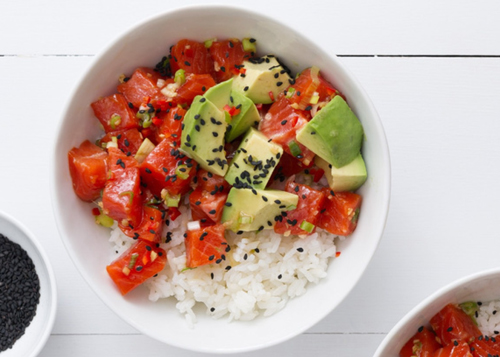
(314,98)
(307,226)
(208,43)
(289,92)
(187,268)
(170,200)
(145,119)
(182,172)
(146,147)
(245,219)
(180,77)
(355,216)
(104,220)
(147,123)
(130,195)
(470,308)
(115,120)
(249,46)
(227,117)
(315,74)
(294,148)
(291,207)
(133,259)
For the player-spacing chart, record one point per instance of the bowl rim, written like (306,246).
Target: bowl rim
(415,311)
(50,278)
(379,131)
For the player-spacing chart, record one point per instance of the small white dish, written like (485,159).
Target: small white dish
(144,45)
(482,286)
(36,334)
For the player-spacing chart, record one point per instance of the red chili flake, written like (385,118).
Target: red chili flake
(337,254)
(271,95)
(95,211)
(146,99)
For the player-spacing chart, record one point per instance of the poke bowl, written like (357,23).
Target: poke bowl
(459,318)
(179,323)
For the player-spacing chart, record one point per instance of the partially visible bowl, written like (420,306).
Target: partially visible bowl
(38,331)
(87,243)
(482,286)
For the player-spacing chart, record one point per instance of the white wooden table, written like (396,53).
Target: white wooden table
(432,69)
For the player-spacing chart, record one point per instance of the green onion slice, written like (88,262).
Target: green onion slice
(294,148)
(170,200)
(104,220)
(133,259)
(182,172)
(307,226)
(130,195)
(115,120)
(208,43)
(180,77)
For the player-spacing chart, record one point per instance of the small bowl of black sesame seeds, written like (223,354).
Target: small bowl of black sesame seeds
(477,295)
(28,297)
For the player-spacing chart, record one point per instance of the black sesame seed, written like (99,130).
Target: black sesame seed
(309,107)
(19,292)
(212,309)
(279,83)
(245,89)
(421,328)
(187,63)
(283,122)
(212,257)
(280,276)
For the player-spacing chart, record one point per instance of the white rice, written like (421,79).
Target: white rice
(261,272)
(488,318)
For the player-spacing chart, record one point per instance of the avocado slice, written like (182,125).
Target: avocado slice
(220,93)
(334,133)
(262,76)
(202,136)
(254,161)
(247,117)
(347,178)
(254,210)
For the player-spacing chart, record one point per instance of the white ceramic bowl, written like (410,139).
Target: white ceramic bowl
(482,286)
(87,243)
(37,333)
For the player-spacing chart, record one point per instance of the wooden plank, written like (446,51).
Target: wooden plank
(440,116)
(358,27)
(341,345)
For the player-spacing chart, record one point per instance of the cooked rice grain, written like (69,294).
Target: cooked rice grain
(267,269)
